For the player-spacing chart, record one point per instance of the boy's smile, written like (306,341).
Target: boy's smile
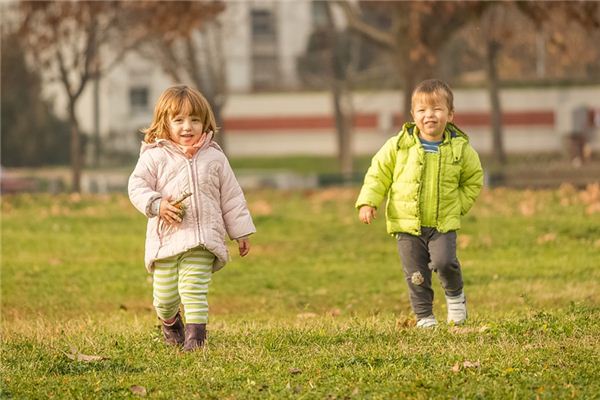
(431,114)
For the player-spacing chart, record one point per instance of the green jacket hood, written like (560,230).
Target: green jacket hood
(409,136)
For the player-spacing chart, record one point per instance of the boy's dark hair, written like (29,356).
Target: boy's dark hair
(437,87)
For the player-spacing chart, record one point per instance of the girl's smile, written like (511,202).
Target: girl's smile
(185,129)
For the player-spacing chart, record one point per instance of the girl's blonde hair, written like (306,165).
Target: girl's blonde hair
(434,88)
(177,100)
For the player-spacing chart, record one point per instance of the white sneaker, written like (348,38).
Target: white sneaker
(427,322)
(457,309)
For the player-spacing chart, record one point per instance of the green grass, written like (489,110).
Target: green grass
(319,308)
(297,164)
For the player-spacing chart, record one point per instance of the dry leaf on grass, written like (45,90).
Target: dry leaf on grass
(486,240)
(567,194)
(332,194)
(464,365)
(334,312)
(405,322)
(138,390)
(591,194)
(54,261)
(468,329)
(306,315)
(548,237)
(566,190)
(591,198)
(527,207)
(75,355)
(75,197)
(261,208)
(593,208)
(464,241)
(469,364)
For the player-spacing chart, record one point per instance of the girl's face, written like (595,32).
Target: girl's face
(431,114)
(185,129)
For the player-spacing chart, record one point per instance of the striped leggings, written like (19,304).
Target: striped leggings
(183,279)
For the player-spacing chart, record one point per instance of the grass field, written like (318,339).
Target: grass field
(319,308)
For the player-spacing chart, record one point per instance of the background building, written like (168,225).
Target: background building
(269,111)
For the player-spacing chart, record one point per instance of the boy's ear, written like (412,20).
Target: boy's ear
(450,116)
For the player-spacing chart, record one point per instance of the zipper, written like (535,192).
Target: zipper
(194,197)
(422,168)
(439,174)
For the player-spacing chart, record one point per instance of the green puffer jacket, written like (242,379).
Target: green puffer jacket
(397,171)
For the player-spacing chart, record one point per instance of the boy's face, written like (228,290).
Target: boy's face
(431,114)
(185,129)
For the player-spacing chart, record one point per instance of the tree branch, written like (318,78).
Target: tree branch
(355,22)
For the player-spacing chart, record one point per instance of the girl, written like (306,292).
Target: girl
(184,185)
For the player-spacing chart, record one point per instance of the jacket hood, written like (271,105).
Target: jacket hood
(452,131)
(165,142)
(409,136)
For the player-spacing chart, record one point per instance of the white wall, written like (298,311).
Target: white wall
(294,25)
(518,139)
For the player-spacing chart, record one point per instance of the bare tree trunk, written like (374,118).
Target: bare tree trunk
(97,140)
(409,85)
(218,112)
(342,100)
(495,107)
(76,156)
(342,104)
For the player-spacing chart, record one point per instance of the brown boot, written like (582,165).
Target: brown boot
(173,333)
(195,335)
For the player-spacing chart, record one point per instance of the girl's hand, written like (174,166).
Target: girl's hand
(168,212)
(244,246)
(367,214)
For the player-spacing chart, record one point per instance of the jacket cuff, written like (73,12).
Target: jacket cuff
(358,205)
(153,206)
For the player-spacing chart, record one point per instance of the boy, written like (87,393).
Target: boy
(431,176)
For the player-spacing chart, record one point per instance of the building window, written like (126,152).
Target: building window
(319,14)
(138,99)
(263,23)
(265,59)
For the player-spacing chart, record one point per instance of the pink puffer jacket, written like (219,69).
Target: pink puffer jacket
(217,205)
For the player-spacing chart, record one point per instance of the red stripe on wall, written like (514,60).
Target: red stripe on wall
(523,118)
(369,121)
(294,122)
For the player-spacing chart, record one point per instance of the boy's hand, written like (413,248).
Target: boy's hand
(244,246)
(168,212)
(367,214)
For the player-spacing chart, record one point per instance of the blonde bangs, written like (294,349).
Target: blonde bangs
(187,104)
(431,98)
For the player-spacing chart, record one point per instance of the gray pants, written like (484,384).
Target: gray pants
(420,255)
